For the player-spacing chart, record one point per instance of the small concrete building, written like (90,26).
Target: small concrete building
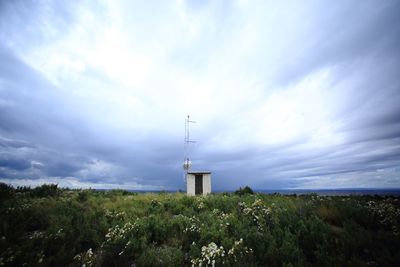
(198,183)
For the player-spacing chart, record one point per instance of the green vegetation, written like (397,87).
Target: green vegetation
(47,226)
(244,191)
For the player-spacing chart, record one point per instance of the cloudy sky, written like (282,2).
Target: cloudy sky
(286,94)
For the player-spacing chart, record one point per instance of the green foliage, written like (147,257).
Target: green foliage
(161,256)
(6,191)
(46,190)
(83,196)
(243,191)
(47,226)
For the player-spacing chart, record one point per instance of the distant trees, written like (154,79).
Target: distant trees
(244,191)
(6,191)
(45,190)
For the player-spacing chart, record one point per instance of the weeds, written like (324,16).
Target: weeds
(54,227)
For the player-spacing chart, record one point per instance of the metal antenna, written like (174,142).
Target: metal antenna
(187,164)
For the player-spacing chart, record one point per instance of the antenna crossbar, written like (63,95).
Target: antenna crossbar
(187,142)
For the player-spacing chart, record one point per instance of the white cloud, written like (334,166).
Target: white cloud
(254,75)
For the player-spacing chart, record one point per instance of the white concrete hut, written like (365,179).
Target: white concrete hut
(198,183)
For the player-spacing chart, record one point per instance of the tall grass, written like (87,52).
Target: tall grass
(48,226)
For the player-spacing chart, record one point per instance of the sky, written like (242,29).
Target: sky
(285,94)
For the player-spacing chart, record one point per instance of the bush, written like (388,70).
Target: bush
(83,195)
(97,228)
(161,256)
(244,191)
(6,191)
(23,189)
(46,190)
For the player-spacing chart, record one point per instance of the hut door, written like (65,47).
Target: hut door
(198,184)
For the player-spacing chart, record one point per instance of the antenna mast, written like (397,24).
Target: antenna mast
(187,164)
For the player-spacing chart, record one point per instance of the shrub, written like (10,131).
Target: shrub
(119,192)
(244,191)
(82,196)
(23,189)
(46,190)
(6,191)
(161,256)
(98,228)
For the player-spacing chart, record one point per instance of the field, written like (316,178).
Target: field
(48,226)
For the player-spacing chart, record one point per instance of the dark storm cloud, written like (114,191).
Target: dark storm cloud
(47,131)
(15,164)
(52,138)
(31,111)
(8,143)
(29,101)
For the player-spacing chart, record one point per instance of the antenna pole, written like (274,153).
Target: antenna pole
(186,161)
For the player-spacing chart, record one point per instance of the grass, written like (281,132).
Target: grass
(53,227)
